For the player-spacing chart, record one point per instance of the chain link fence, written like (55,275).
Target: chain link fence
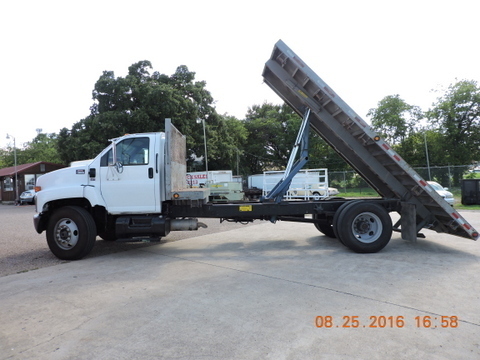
(447,176)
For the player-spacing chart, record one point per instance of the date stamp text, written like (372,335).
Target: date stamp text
(381,321)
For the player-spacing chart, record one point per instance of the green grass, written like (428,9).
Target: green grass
(457,193)
(351,194)
(459,206)
(372,193)
(364,192)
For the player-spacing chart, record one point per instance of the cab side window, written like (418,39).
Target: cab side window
(129,152)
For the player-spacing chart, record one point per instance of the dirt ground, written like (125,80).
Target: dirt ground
(22,249)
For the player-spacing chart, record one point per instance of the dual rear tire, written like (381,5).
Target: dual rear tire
(363,227)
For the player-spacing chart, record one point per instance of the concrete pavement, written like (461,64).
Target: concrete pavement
(252,293)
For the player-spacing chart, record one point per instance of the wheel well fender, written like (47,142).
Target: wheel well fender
(98,213)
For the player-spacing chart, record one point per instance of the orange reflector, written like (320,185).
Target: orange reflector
(37,188)
(176,195)
(376,138)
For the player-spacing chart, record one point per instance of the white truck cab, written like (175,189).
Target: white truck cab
(130,184)
(118,194)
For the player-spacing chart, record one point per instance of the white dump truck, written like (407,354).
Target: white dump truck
(135,188)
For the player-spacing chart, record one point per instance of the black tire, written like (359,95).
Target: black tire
(337,216)
(71,233)
(364,227)
(324,227)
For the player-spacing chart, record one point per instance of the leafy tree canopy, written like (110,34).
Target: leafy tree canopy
(272,131)
(451,134)
(42,148)
(140,102)
(395,119)
(456,115)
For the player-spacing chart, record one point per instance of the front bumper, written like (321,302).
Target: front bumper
(40,222)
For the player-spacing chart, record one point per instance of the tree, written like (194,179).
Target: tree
(226,141)
(140,102)
(3,158)
(414,150)
(42,148)
(395,119)
(457,116)
(322,155)
(272,131)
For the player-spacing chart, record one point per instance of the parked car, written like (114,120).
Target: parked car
(443,192)
(27,197)
(312,191)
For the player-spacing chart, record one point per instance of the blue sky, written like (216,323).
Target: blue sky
(53,52)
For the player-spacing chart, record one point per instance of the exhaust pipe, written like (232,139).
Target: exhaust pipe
(186,224)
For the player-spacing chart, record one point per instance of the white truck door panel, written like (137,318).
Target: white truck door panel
(132,185)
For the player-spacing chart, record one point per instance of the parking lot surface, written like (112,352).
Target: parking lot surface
(22,249)
(268,291)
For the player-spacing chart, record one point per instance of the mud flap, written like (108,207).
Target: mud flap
(408,224)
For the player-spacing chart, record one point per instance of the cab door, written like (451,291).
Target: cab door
(130,184)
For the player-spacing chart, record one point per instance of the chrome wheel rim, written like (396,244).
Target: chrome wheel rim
(367,227)
(66,234)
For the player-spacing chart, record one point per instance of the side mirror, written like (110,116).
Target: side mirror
(113,160)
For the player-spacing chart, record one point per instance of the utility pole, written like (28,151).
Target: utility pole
(205,143)
(16,175)
(426,154)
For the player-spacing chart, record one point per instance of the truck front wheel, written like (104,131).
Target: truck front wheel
(364,227)
(71,233)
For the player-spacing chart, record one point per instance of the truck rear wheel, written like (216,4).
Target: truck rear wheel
(337,216)
(71,233)
(364,227)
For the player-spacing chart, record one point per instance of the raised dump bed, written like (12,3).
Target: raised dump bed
(354,140)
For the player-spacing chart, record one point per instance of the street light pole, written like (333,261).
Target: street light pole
(205,143)
(16,175)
